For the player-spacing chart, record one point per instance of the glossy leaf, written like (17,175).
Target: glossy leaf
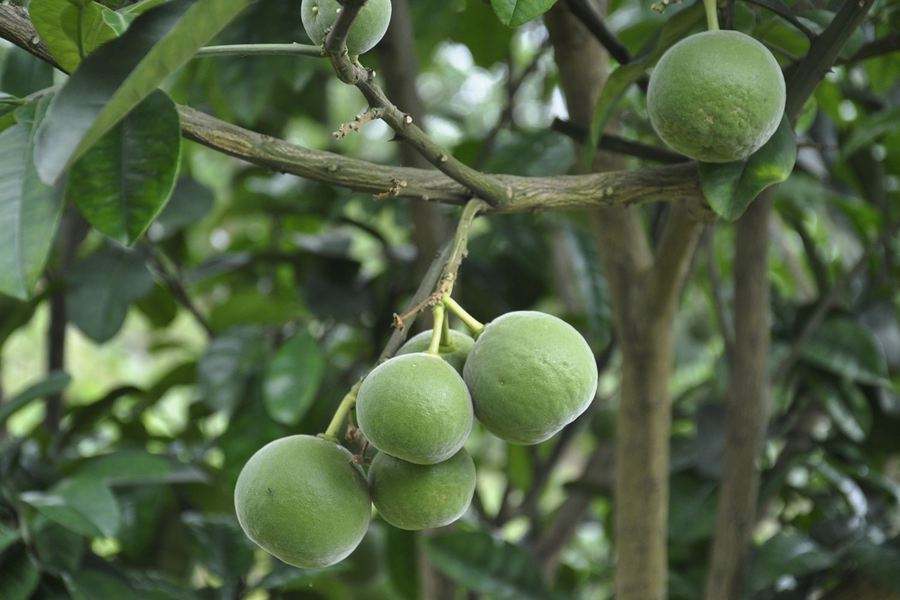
(112,81)
(731,187)
(123,182)
(518,12)
(849,350)
(402,562)
(226,367)
(102,288)
(71,30)
(29,210)
(83,505)
(293,378)
(618,82)
(55,383)
(483,564)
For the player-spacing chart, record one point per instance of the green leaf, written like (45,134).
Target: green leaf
(229,362)
(59,548)
(222,546)
(71,30)
(19,576)
(83,505)
(131,467)
(848,350)
(8,537)
(190,202)
(402,560)
(55,383)
(293,378)
(618,82)
(481,563)
(113,80)
(123,182)
(731,187)
(97,585)
(787,553)
(29,210)
(102,287)
(870,129)
(513,13)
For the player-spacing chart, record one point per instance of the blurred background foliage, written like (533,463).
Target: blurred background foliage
(256,299)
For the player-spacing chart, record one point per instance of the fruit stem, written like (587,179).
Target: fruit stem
(712,15)
(446,342)
(340,415)
(437,329)
(473,325)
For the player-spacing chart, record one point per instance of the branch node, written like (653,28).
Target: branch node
(367,116)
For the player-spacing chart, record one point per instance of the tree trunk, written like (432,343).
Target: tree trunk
(644,294)
(748,405)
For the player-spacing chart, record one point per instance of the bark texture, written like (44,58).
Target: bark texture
(748,404)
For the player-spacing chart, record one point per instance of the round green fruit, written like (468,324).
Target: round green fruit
(454,353)
(418,497)
(415,407)
(530,374)
(716,96)
(370,25)
(303,500)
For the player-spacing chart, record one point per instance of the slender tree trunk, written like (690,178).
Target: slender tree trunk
(748,405)
(644,292)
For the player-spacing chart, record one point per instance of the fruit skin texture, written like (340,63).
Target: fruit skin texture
(415,497)
(716,96)
(303,500)
(455,353)
(368,28)
(415,407)
(530,375)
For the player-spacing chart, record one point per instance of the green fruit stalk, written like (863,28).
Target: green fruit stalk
(415,497)
(303,500)
(415,407)
(716,96)
(454,353)
(530,374)
(370,25)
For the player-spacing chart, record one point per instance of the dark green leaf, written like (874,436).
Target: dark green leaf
(518,12)
(58,547)
(85,506)
(674,29)
(102,287)
(29,210)
(55,383)
(190,202)
(224,548)
(481,563)
(731,187)
(848,350)
(402,562)
(229,362)
(112,81)
(71,30)
(293,378)
(787,553)
(19,576)
(137,467)
(23,74)
(123,182)
(97,585)
(8,537)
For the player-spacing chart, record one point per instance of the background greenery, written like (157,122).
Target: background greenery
(256,299)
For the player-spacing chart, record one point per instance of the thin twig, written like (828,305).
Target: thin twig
(782,10)
(248,50)
(885,45)
(620,145)
(172,281)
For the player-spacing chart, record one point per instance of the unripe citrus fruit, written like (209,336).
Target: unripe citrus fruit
(716,96)
(415,407)
(303,500)
(368,28)
(454,353)
(417,497)
(530,375)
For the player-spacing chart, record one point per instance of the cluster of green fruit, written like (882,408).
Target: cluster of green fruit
(369,26)
(525,376)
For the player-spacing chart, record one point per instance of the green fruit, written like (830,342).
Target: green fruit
(417,497)
(415,407)
(716,96)
(368,28)
(454,353)
(530,375)
(303,500)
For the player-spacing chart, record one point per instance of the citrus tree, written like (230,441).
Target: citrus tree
(652,250)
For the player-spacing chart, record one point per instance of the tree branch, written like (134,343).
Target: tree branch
(620,145)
